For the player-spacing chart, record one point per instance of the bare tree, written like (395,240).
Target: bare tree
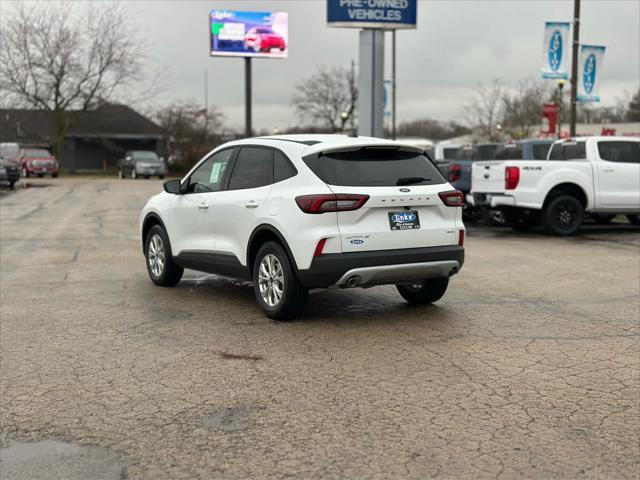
(633,114)
(484,111)
(192,130)
(66,58)
(327,97)
(522,107)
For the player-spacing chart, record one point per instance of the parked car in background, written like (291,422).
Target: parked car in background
(444,151)
(297,212)
(523,150)
(596,175)
(9,151)
(37,161)
(263,39)
(458,170)
(9,173)
(141,163)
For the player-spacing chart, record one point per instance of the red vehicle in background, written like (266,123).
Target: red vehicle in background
(263,39)
(37,161)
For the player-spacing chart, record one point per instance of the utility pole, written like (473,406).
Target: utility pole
(574,66)
(247,97)
(206,104)
(393,84)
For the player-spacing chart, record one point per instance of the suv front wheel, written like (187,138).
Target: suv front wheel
(277,290)
(160,265)
(424,292)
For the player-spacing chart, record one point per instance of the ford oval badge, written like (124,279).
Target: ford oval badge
(405,189)
(357,241)
(589,76)
(555,50)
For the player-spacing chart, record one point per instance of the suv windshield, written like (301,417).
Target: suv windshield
(375,167)
(36,153)
(145,156)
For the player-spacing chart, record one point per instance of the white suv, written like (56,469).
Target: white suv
(297,212)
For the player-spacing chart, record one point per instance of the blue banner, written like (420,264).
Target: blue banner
(555,50)
(590,73)
(388,14)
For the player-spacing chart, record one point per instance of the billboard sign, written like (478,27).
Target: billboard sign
(387,14)
(248,34)
(589,73)
(555,51)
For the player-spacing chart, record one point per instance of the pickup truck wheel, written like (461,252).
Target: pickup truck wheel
(424,292)
(634,219)
(276,287)
(160,265)
(563,215)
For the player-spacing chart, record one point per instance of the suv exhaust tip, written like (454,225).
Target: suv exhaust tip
(353,282)
(453,271)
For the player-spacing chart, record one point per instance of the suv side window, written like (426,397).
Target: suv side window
(620,151)
(253,168)
(209,175)
(282,167)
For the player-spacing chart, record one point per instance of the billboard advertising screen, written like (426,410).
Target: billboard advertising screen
(249,34)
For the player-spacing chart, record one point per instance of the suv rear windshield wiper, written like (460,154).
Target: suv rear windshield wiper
(410,180)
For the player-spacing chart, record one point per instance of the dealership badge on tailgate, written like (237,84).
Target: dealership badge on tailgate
(407,220)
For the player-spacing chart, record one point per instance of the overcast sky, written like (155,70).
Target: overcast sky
(457,45)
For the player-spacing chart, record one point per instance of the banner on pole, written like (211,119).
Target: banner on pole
(555,51)
(589,73)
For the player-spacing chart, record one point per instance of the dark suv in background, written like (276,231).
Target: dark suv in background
(141,163)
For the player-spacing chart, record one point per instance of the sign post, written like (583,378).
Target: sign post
(373,17)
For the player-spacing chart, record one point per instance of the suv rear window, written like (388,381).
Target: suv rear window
(568,151)
(375,167)
(509,152)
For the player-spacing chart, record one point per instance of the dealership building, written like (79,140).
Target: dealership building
(95,140)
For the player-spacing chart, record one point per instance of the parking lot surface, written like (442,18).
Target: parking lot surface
(528,367)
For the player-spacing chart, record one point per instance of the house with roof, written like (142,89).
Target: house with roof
(95,140)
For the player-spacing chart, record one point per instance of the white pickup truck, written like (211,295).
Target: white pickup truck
(599,176)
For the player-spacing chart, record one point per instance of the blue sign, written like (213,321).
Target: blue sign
(388,14)
(589,74)
(555,51)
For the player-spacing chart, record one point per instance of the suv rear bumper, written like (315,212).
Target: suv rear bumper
(380,267)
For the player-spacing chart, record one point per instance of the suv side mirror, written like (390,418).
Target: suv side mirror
(173,186)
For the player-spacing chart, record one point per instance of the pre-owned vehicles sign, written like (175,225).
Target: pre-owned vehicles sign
(387,14)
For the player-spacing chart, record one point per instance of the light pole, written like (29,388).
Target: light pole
(561,82)
(344,116)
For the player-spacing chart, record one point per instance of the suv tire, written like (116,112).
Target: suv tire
(276,287)
(563,215)
(160,265)
(424,292)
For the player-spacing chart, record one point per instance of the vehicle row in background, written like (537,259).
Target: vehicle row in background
(599,176)
(141,163)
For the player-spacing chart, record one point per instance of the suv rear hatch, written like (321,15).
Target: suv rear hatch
(403,209)
(488,177)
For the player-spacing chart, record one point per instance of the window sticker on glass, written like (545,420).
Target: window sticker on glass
(215,173)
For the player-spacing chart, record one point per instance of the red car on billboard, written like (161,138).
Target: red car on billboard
(263,39)
(37,161)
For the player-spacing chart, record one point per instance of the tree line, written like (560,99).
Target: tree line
(72,57)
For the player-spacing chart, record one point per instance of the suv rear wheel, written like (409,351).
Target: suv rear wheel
(424,292)
(277,290)
(563,215)
(157,251)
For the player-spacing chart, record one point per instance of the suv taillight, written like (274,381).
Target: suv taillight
(511,178)
(340,202)
(454,172)
(453,198)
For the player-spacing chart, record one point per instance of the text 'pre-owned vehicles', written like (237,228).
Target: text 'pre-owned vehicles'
(141,163)
(37,161)
(297,212)
(596,175)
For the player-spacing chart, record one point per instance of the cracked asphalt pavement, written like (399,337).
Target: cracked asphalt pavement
(528,368)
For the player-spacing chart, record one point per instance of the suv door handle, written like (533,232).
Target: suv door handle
(203,206)
(251,204)
(609,169)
